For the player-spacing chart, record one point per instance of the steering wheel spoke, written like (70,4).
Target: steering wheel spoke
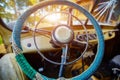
(63,59)
(81,42)
(42,31)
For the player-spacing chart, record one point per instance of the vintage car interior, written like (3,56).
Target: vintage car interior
(60,40)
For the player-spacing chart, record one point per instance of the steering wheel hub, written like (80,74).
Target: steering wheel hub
(63,34)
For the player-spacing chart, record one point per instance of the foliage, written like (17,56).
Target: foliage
(3,12)
(11,9)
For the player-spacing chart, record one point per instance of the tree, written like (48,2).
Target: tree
(11,9)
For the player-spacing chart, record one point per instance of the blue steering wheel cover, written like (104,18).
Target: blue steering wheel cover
(86,74)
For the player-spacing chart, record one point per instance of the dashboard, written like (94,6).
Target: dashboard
(43,42)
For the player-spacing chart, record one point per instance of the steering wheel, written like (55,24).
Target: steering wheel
(25,66)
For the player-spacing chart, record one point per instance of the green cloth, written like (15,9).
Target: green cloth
(1,42)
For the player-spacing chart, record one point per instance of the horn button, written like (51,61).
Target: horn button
(63,34)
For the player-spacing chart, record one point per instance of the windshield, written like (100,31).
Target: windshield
(105,12)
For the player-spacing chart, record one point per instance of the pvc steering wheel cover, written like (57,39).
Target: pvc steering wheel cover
(22,61)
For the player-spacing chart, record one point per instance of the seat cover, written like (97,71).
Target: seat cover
(9,69)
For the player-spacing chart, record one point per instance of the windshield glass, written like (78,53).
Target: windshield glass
(105,12)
